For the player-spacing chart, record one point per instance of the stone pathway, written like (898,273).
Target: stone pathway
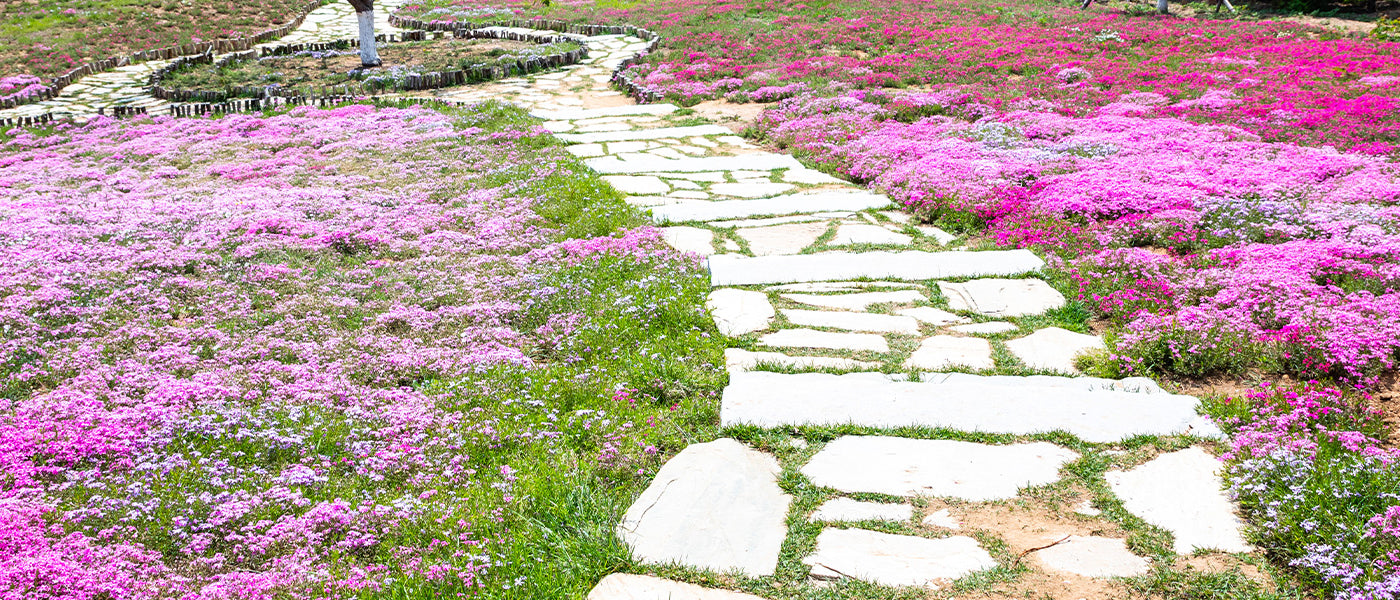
(845,313)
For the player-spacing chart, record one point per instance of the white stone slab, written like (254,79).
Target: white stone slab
(895,560)
(967,403)
(809,176)
(642,164)
(632,109)
(858,301)
(626,586)
(1092,556)
(642,134)
(932,316)
(692,176)
(941,518)
(856,233)
(811,338)
(641,185)
(847,510)
(799,203)
(586,150)
(737,359)
(766,222)
(737,312)
(908,265)
(714,506)
(690,239)
(946,351)
(751,190)
(946,468)
(1182,493)
(988,328)
(1002,297)
(839,286)
(853,321)
(1053,349)
(937,234)
(781,239)
(1136,385)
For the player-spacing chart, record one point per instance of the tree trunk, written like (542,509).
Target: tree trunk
(364,13)
(1162,6)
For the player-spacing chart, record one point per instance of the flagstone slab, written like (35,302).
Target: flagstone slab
(1053,349)
(1182,493)
(946,351)
(766,222)
(609,165)
(945,468)
(781,239)
(1092,556)
(838,510)
(642,134)
(615,111)
(799,203)
(1003,404)
(738,359)
(857,301)
(910,265)
(626,586)
(811,338)
(642,185)
(839,286)
(855,233)
(988,328)
(809,176)
(1136,385)
(690,239)
(932,316)
(737,312)
(1002,297)
(853,321)
(761,189)
(941,518)
(895,560)
(714,506)
(937,234)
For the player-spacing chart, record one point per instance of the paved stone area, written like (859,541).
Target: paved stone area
(895,560)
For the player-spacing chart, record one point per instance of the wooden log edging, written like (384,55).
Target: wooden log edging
(637,90)
(424,81)
(220,46)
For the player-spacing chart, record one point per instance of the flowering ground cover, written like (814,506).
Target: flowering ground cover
(385,351)
(44,38)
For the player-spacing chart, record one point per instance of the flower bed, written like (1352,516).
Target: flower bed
(326,353)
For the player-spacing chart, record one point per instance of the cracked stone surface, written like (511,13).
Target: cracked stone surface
(737,312)
(714,506)
(895,560)
(1053,349)
(1003,404)
(1002,297)
(945,468)
(946,351)
(1182,493)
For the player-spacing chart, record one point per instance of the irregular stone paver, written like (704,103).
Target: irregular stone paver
(895,560)
(609,165)
(1136,385)
(945,351)
(781,239)
(737,312)
(937,234)
(932,316)
(625,586)
(639,184)
(809,176)
(1092,557)
(858,301)
(873,400)
(988,328)
(766,222)
(1002,297)
(941,518)
(713,506)
(908,265)
(641,134)
(839,286)
(737,359)
(809,202)
(1053,349)
(690,239)
(751,190)
(811,338)
(910,467)
(839,510)
(853,321)
(1182,493)
(854,233)
(614,111)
